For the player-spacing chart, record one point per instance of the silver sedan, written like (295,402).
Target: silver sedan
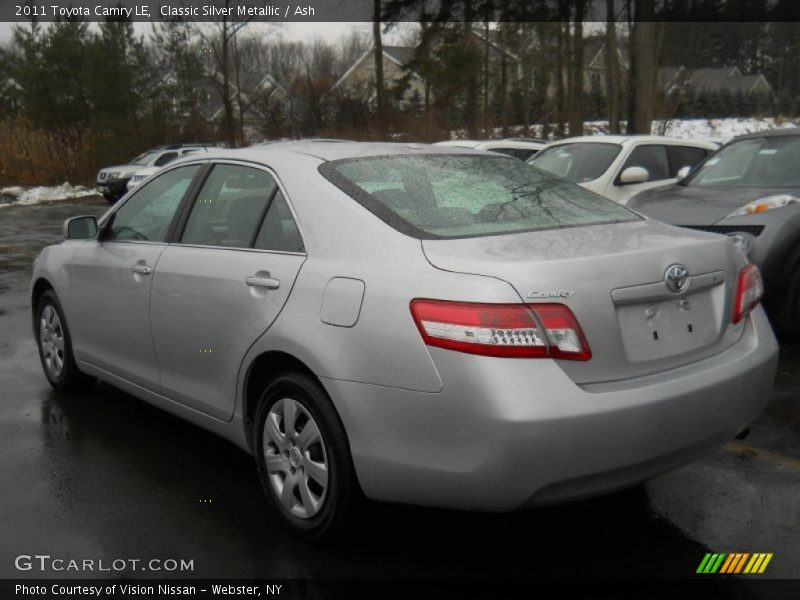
(409,323)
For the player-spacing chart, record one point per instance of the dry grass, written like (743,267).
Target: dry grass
(31,156)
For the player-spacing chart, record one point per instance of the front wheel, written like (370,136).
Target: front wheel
(55,346)
(303,457)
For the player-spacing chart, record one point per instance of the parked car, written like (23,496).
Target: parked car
(112,182)
(717,140)
(420,324)
(619,166)
(749,189)
(521,148)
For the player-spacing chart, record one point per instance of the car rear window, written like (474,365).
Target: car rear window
(451,196)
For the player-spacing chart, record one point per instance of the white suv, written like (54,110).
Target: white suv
(113,182)
(619,166)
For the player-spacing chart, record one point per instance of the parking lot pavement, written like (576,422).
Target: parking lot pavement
(106,476)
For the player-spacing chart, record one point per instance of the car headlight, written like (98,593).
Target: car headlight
(765,204)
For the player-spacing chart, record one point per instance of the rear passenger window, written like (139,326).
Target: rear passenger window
(279,230)
(684,156)
(653,158)
(229,207)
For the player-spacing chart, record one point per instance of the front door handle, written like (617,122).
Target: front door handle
(141,269)
(263,282)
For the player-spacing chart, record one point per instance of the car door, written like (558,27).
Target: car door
(108,296)
(654,159)
(220,287)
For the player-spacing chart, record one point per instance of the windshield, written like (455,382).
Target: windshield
(579,162)
(144,159)
(754,162)
(446,196)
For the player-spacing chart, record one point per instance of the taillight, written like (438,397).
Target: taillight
(507,330)
(749,290)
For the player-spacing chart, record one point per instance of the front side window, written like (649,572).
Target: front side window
(684,156)
(147,215)
(229,207)
(449,196)
(652,158)
(578,162)
(754,162)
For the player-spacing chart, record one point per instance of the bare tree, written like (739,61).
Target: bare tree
(471,107)
(219,38)
(380,92)
(612,68)
(560,44)
(576,112)
(643,67)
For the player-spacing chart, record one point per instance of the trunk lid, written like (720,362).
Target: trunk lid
(612,277)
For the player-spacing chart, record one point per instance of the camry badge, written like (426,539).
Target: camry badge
(552,294)
(677,278)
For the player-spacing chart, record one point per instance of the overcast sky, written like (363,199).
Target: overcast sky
(292,31)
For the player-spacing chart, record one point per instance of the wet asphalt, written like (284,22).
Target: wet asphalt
(107,476)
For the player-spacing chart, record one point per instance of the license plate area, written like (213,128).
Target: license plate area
(660,328)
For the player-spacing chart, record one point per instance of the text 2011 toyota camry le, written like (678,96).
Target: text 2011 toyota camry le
(411,324)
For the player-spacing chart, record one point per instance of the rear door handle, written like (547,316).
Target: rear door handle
(263,282)
(141,269)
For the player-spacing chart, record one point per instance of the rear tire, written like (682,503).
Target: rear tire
(303,458)
(55,347)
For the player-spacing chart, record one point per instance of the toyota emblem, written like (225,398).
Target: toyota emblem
(677,278)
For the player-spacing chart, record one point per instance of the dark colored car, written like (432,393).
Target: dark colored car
(748,189)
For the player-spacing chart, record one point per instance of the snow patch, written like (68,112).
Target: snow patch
(19,196)
(723,128)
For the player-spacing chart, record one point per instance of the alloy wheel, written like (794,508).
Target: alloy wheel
(51,340)
(296,458)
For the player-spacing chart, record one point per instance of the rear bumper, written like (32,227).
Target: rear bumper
(505,434)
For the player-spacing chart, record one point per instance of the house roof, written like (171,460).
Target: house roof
(400,54)
(710,79)
(713,79)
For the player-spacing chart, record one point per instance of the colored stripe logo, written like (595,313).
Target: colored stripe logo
(734,563)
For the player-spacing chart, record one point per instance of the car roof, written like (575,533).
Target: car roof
(325,151)
(524,144)
(460,143)
(788,131)
(629,139)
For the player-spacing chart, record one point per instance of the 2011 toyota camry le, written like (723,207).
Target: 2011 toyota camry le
(409,323)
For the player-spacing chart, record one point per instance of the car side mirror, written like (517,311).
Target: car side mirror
(80,228)
(683,172)
(634,175)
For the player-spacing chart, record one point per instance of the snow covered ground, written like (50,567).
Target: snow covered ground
(677,128)
(19,196)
